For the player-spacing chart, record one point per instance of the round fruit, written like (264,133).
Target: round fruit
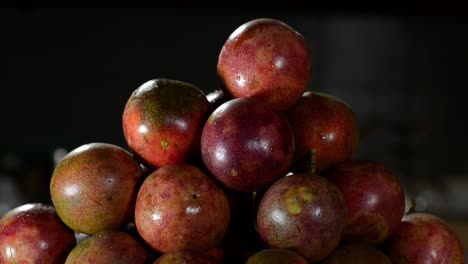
(265,59)
(109,247)
(94,187)
(247,145)
(276,256)
(424,238)
(33,233)
(304,213)
(162,121)
(325,125)
(186,257)
(374,198)
(179,208)
(357,253)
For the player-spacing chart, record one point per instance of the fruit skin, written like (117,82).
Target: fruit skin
(357,253)
(94,187)
(162,121)
(217,253)
(276,256)
(179,208)
(304,213)
(424,238)
(109,247)
(374,198)
(265,59)
(33,233)
(247,145)
(186,257)
(325,124)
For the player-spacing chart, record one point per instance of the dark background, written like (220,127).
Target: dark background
(66,75)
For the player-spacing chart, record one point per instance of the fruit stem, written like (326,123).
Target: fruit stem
(311,162)
(412,208)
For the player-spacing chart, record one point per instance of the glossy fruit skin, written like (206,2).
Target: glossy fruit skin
(304,213)
(179,208)
(94,187)
(374,198)
(325,124)
(247,145)
(424,238)
(110,247)
(162,121)
(357,253)
(265,59)
(33,233)
(276,256)
(186,257)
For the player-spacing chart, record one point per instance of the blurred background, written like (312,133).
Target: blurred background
(67,73)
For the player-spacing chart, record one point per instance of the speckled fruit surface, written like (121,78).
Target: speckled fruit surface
(33,233)
(304,213)
(423,238)
(247,145)
(374,198)
(326,125)
(179,208)
(94,187)
(162,121)
(265,59)
(110,247)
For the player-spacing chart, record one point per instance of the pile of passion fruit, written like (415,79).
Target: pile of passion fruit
(261,170)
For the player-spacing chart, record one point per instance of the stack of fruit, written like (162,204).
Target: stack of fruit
(259,171)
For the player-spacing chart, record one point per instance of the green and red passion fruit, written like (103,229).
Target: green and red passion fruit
(162,121)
